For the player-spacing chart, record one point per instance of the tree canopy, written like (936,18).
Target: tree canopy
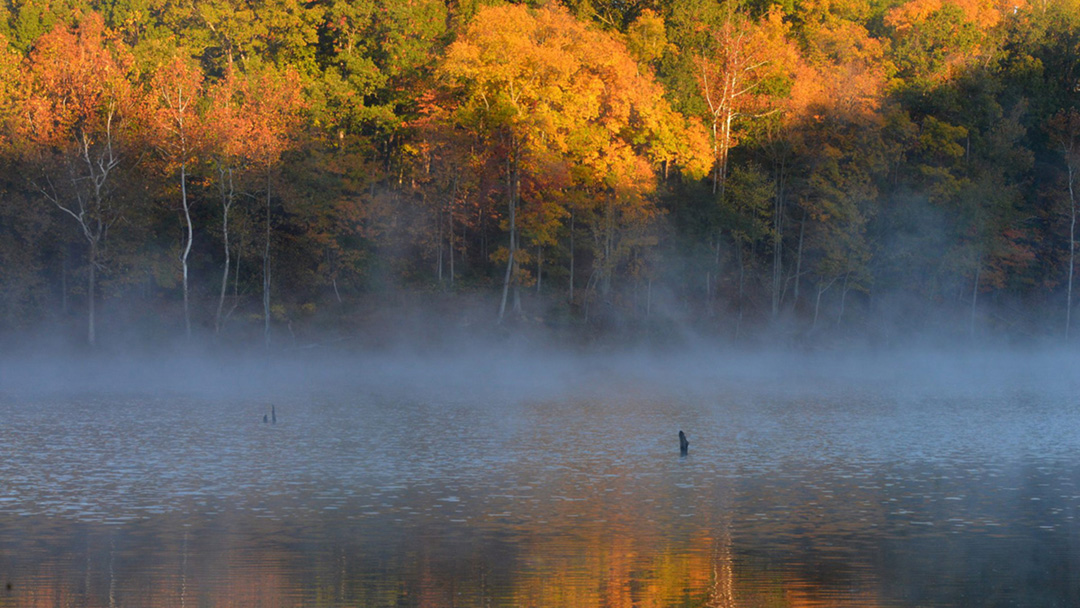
(801,170)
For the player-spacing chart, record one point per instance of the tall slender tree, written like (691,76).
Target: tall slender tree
(272,103)
(744,58)
(1064,130)
(227,138)
(178,135)
(81,104)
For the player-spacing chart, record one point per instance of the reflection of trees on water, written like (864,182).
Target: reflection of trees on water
(738,543)
(722,592)
(626,564)
(649,565)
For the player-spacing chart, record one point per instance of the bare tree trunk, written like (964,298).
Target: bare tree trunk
(817,301)
(975,293)
(187,249)
(708,293)
(481,225)
(720,180)
(778,240)
(91,211)
(716,152)
(607,269)
(450,219)
(266,268)
(509,261)
(589,285)
(817,305)
(634,295)
(843,299)
(513,191)
(63,282)
(648,300)
(742,282)
(719,237)
(450,227)
(539,267)
(91,297)
(236,273)
(571,256)
(1072,247)
(798,260)
(226,204)
(439,250)
(517,297)
(723,117)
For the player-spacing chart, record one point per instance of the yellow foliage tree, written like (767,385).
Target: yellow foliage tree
(734,76)
(544,85)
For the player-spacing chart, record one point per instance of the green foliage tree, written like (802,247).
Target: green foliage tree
(858,148)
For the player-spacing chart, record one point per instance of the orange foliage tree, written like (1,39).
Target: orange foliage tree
(227,129)
(21,226)
(273,105)
(79,107)
(935,37)
(178,133)
(832,122)
(253,120)
(560,98)
(446,158)
(746,59)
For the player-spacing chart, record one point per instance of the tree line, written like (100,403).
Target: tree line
(811,167)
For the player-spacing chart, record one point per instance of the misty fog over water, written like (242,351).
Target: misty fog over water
(509,476)
(516,475)
(530,370)
(391,303)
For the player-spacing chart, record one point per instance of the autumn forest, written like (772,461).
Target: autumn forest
(277,172)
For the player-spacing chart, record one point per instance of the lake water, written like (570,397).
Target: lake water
(816,490)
